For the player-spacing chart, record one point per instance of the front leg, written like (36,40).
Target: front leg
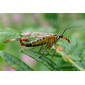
(55,47)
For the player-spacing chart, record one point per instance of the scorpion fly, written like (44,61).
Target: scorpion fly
(46,39)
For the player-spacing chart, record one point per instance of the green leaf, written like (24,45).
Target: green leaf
(41,59)
(14,61)
(74,52)
(2,46)
(52,18)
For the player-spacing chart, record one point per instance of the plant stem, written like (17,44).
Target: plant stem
(70,61)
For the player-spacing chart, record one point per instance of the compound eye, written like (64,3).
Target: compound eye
(60,36)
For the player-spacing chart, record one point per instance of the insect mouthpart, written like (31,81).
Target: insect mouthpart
(62,36)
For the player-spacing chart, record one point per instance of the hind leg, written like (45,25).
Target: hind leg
(55,47)
(44,51)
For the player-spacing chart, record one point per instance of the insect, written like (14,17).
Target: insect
(43,39)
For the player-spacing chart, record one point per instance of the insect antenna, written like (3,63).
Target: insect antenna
(65,30)
(69,28)
(62,35)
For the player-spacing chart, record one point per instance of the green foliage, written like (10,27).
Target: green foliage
(52,18)
(71,58)
(41,59)
(74,51)
(12,60)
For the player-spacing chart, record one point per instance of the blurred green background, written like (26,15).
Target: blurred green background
(37,22)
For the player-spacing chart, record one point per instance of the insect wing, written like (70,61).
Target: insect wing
(35,34)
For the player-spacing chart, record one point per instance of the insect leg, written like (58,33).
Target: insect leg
(40,51)
(43,53)
(55,47)
(40,48)
(45,49)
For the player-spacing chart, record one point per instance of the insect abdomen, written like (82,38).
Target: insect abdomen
(36,43)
